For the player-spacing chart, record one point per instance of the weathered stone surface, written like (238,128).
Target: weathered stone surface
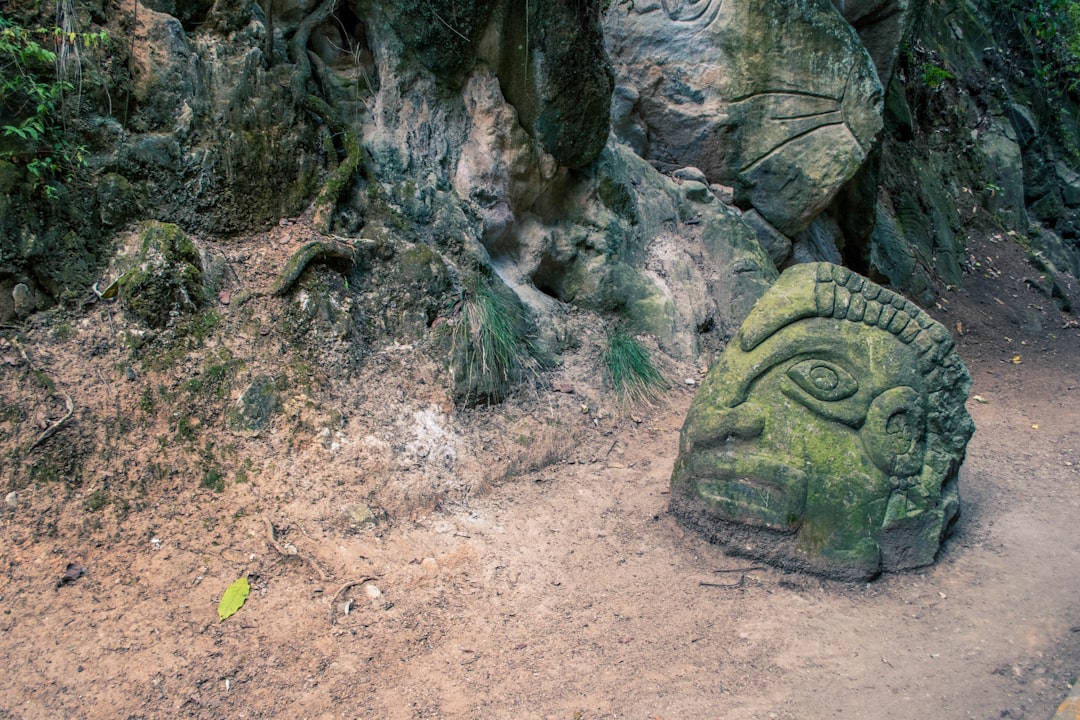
(443,34)
(1003,166)
(550,60)
(165,277)
(829,435)
(779,100)
(1070,184)
(881,25)
(253,410)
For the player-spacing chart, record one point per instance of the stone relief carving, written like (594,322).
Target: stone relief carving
(829,434)
(778,100)
(702,12)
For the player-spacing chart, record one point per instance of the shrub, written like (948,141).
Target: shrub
(33,88)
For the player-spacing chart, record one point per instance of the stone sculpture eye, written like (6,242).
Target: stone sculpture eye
(823,380)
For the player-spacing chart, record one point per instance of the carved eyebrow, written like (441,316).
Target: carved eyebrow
(831,291)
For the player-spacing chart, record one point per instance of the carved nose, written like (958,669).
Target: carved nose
(742,422)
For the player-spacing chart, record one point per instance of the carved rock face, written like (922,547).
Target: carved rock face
(778,99)
(829,435)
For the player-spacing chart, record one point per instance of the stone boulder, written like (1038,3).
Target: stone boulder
(779,100)
(829,435)
(550,60)
(881,25)
(165,277)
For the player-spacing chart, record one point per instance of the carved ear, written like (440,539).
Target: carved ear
(894,433)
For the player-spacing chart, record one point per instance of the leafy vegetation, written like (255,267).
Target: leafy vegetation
(1053,27)
(629,370)
(934,76)
(33,99)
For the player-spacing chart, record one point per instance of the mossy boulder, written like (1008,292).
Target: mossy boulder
(829,435)
(253,410)
(165,278)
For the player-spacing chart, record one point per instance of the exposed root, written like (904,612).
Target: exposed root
(55,427)
(271,540)
(342,175)
(343,589)
(327,198)
(310,252)
(52,429)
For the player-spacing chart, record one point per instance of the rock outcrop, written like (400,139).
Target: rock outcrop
(779,100)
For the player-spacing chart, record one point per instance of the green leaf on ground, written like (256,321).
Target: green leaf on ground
(234,598)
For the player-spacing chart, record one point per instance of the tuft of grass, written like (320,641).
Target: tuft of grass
(490,351)
(629,370)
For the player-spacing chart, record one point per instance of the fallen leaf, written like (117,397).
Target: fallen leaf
(1016,360)
(1035,427)
(234,598)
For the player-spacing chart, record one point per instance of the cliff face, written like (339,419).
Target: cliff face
(652,162)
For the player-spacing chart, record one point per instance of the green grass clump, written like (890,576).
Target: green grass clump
(213,480)
(490,349)
(629,370)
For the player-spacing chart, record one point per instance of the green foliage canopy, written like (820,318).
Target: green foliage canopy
(32,94)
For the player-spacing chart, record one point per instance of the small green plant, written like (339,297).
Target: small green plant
(628,369)
(934,76)
(490,350)
(97,500)
(63,331)
(214,480)
(44,381)
(186,428)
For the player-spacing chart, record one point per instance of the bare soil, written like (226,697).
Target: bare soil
(412,561)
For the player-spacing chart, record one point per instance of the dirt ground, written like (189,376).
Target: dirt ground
(408,561)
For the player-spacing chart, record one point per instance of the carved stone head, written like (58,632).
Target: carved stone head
(830,433)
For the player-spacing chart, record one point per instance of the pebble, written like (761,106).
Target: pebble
(12,500)
(430,566)
(374,595)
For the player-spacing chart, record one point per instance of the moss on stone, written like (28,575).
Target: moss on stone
(252,412)
(165,279)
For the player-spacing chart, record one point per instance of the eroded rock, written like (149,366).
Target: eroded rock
(779,100)
(829,435)
(166,277)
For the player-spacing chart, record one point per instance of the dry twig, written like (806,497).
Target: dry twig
(52,429)
(271,540)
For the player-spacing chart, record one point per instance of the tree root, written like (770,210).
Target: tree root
(55,427)
(339,179)
(342,175)
(309,253)
(271,540)
(341,592)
